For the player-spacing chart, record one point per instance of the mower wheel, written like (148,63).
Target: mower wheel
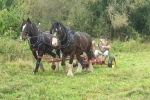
(111,62)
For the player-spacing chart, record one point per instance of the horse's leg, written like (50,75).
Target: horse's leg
(58,52)
(63,64)
(70,66)
(53,63)
(79,68)
(35,56)
(37,65)
(90,55)
(40,55)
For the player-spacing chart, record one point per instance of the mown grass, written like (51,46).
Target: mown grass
(128,81)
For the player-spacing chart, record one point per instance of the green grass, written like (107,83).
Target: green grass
(128,81)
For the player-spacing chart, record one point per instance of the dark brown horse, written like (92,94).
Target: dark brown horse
(72,43)
(39,42)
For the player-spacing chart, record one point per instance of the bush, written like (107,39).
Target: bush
(9,24)
(13,49)
(130,45)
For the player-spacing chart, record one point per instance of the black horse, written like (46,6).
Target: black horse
(39,42)
(72,43)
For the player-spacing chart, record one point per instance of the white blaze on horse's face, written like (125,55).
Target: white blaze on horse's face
(23,27)
(22,37)
(55,40)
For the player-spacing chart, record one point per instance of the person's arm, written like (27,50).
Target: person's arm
(106,47)
(94,44)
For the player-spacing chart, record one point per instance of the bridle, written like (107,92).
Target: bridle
(67,39)
(60,32)
(29,36)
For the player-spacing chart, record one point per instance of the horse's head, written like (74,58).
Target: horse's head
(26,28)
(58,30)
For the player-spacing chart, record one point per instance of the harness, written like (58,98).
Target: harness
(70,40)
(40,39)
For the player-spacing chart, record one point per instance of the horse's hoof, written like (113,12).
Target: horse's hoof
(34,72)
(53,67)
(90,70)
(57,68)
(77,71)
(65,69)
(70,75)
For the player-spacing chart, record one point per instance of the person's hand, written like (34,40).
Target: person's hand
(94,44)
(103,46)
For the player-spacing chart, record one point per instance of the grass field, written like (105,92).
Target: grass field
(128,81)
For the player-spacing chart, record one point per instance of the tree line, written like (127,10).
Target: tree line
(114,18)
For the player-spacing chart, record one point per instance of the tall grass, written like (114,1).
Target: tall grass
(14,49)
(127,46)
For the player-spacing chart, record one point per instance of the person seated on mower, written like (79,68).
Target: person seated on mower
(103,49)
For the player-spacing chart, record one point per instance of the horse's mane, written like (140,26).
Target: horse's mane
(25,21)
(55,24)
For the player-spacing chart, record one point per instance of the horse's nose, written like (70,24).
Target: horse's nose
(23,37)
(55,44)
(20,37)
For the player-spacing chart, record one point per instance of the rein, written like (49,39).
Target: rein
(40,40)
(70,40)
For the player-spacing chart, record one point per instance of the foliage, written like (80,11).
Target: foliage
(12,49)
(110,17)
(114,18)
(48,11)
(129,45)
(10,17)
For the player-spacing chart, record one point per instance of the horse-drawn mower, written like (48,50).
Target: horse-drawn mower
(111,62)
(95,61)
(98,61)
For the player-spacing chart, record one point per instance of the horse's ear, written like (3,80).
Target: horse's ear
(50,31)
(28,20)
(51,27)
(57,23)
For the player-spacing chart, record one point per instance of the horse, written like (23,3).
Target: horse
(72,43)
(39,42)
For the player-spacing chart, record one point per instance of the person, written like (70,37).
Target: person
(104,47)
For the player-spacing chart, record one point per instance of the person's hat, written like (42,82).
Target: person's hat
(102,37)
